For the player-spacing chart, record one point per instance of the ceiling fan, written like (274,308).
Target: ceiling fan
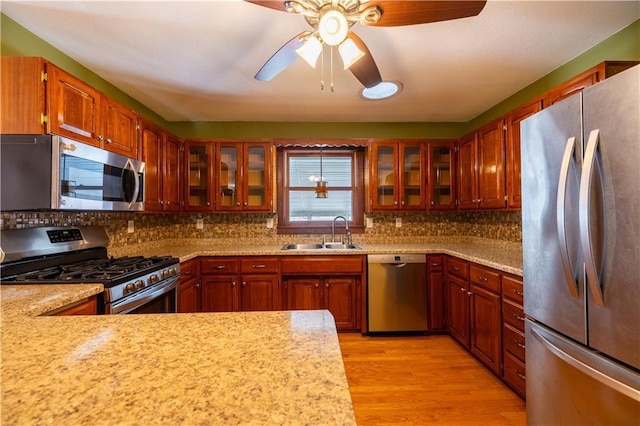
(331,21)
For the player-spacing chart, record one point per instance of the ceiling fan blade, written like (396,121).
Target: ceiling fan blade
(398,13)
(282,58)
(365,69)
(271,4)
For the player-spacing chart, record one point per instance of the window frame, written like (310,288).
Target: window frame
(358,193)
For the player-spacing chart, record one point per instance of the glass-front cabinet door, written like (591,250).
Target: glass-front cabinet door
(398,177)
(412,176)
(199,176)
(441,176)
(243,176)
(384,179)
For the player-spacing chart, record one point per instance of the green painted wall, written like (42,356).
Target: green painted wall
(15,40)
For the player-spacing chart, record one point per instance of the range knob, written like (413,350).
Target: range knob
(153,278)
(139,284)
(173,270)
(129,288)
(165,273)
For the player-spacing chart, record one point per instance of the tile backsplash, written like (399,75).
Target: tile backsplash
(498,225)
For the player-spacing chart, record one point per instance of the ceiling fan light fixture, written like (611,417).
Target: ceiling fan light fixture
(333,27)
(310,50)
(382,90)
(349,52)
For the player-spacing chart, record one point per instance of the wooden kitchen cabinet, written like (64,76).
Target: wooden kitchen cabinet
(325,282)
(513,352)
(467,172)
(162,153)
(243,176)
(512,166)
(198,176)
(436,320)
(219,284)
(189,292)
(260,284)
(120,128)
(398,179)
(458,309)
(22,85)
(485,342)
(441,175)
(88,306)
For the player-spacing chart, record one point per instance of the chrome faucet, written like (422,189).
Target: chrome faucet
(333,228)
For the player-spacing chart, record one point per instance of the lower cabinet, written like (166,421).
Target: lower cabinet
(458,309)
(189,293)
(327,282)
(513,352)
(435,293)
(88,306)
(336,294)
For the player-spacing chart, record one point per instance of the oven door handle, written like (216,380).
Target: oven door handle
(139,299)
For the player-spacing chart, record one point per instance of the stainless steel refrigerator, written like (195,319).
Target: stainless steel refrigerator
(581,256)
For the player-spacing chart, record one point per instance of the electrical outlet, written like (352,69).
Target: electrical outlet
(398,222)
(270,222)
(369,222)
(130,227)
(199,223)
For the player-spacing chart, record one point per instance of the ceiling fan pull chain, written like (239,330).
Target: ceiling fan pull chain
(331,49)
(322,69)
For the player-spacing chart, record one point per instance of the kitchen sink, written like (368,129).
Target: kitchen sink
(326,246)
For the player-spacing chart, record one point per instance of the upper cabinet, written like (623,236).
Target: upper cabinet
(467,172)
(441,179)
(512,166)
(243,176)
(397,178)
(198,176)
(47,99)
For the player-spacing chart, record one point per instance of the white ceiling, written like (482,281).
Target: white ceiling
(195,61)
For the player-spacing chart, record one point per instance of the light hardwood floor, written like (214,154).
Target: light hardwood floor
(424,380)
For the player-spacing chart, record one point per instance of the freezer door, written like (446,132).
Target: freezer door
(551,151)
(571,385)
(610,215)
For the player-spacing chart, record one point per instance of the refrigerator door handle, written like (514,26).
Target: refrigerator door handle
(552,344)
(561,216)
(585,216)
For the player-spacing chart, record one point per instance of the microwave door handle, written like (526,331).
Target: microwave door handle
(561,216)
(585,217)
(136,187)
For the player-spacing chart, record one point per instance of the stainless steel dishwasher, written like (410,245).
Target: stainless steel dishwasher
(397,292)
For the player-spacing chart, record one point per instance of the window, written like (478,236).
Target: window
(299,211)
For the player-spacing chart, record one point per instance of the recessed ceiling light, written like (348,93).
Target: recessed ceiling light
(383,90)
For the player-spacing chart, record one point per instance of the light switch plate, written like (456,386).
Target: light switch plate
(199,223)
(398,222)
(130,227)
(369,222)
(270,222)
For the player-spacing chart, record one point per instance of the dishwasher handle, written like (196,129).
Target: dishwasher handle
(398,265)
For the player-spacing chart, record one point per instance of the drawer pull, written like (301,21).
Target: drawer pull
(483,279)
(518,317)
(518,292)
(455,268)
(188,272)
(219,267)
(519,343)
(522,376)
(258,266)
(435,264)
(463,289)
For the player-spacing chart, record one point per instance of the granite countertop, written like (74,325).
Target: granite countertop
(506,257)
(165,369)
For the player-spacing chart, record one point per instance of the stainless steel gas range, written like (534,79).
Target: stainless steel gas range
(75,255)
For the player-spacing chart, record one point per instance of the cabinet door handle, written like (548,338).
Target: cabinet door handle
(463,289)
(233,283)
(469,293)
(316,285)
(326,285)
(244,283)
(100,138)
(246,204)
(522,376)
(108,140)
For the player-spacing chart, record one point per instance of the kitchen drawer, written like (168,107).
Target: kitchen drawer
(513,341)
(436,263)
(513,315)
(458,267)
(189,270)
(259,265)
(325,265)
(219,265)
(484,277)
(513,289)
(515,373)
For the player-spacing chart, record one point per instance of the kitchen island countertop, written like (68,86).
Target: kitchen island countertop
(196,369)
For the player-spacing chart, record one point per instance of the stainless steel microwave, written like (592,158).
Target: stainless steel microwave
(53,172)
